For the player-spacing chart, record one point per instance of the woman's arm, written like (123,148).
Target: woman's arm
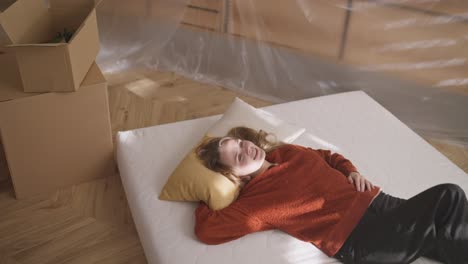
(216,227)
(345,166)
(337,161)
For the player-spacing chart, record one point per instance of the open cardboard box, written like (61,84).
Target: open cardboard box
(4,172)
(4,40)
(30,27)
(53,140)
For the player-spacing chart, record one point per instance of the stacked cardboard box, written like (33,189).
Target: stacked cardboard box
(61,134)
(54,46)
(3,37)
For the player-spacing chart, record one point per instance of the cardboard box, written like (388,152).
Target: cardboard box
(30,27)
(3,36)
(52,140)
(4,172)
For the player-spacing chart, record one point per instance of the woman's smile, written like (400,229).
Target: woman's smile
(242,156)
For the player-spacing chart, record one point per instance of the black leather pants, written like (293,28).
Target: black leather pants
(433,224)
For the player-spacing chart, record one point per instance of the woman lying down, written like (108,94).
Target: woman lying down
(320,197)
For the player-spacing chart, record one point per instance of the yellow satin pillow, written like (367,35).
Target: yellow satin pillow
(191,181)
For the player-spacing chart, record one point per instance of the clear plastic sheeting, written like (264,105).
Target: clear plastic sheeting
(409,55)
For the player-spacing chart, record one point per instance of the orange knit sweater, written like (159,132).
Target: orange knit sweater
(307,196)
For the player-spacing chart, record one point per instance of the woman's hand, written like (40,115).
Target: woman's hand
(362,184)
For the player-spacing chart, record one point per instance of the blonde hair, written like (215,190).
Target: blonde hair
(208,150)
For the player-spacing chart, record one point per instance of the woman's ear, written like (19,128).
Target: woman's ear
(200,152)
(221,141)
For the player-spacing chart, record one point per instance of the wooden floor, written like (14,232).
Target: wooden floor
(91,222)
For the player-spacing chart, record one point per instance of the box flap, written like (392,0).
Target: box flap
(84,47)
(70,19)
(4,38)
(94,76)
(36,45)
(73,3)
(4,4)
(45,69)
(10,79)
(26,21)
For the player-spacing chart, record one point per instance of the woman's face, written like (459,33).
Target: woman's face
(243,156)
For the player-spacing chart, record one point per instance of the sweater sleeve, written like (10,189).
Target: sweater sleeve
(216,227)
(337,161)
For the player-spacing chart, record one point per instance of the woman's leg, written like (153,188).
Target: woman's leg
(452,243)
(384,203)
(434,219)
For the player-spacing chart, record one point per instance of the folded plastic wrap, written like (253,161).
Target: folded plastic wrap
(409,55)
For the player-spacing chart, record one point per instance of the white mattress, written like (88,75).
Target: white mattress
(385,150)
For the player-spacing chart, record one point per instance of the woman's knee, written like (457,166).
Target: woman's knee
(452,188)
(451,192)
